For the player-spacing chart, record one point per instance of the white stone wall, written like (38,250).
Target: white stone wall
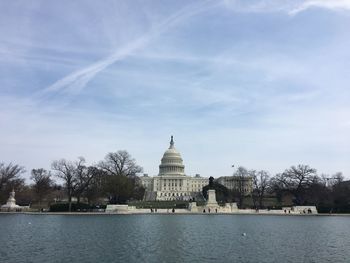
(305,209)
(235,182)
(174,187)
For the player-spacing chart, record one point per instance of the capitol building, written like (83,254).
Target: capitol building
(172,183)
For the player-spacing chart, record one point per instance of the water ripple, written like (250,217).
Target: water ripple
(169,238)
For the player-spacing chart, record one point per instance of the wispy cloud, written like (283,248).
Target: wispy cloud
(76,81)
(291,7)
(251,81)
(327,4)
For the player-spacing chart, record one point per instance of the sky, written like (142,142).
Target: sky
(262,84)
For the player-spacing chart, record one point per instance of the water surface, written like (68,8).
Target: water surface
(173,238)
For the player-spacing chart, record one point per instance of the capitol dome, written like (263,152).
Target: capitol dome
(171,163)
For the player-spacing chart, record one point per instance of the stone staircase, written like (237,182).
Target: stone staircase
(152,196)
(198,196)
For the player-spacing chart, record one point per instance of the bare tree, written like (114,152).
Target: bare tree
(121,170)
(94,189)
(296,180)
(120,163)
(66,171)
(10,178)
(9,173)
(83,176)
(76,176)
(242,175)
(42,183)
(336,179)
(261,181)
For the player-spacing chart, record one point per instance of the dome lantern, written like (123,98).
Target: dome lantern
(171,142)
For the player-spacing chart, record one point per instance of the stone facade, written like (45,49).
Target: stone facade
(212,198)
(237,182)
(172,183)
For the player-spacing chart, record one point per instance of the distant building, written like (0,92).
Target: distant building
(237,182)
(172,183)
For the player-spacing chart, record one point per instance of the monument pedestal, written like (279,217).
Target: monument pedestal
(212,198)
(193,207)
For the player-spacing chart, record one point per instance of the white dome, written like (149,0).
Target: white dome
(171,163)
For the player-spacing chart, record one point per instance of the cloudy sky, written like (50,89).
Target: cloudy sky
(263,84)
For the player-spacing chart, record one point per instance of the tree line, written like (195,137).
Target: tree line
(114,179)
(299,185)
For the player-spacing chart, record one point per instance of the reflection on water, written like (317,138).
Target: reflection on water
(173,238)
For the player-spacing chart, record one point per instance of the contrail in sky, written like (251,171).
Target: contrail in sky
(75,82)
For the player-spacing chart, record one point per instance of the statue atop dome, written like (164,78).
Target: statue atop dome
(171,142)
